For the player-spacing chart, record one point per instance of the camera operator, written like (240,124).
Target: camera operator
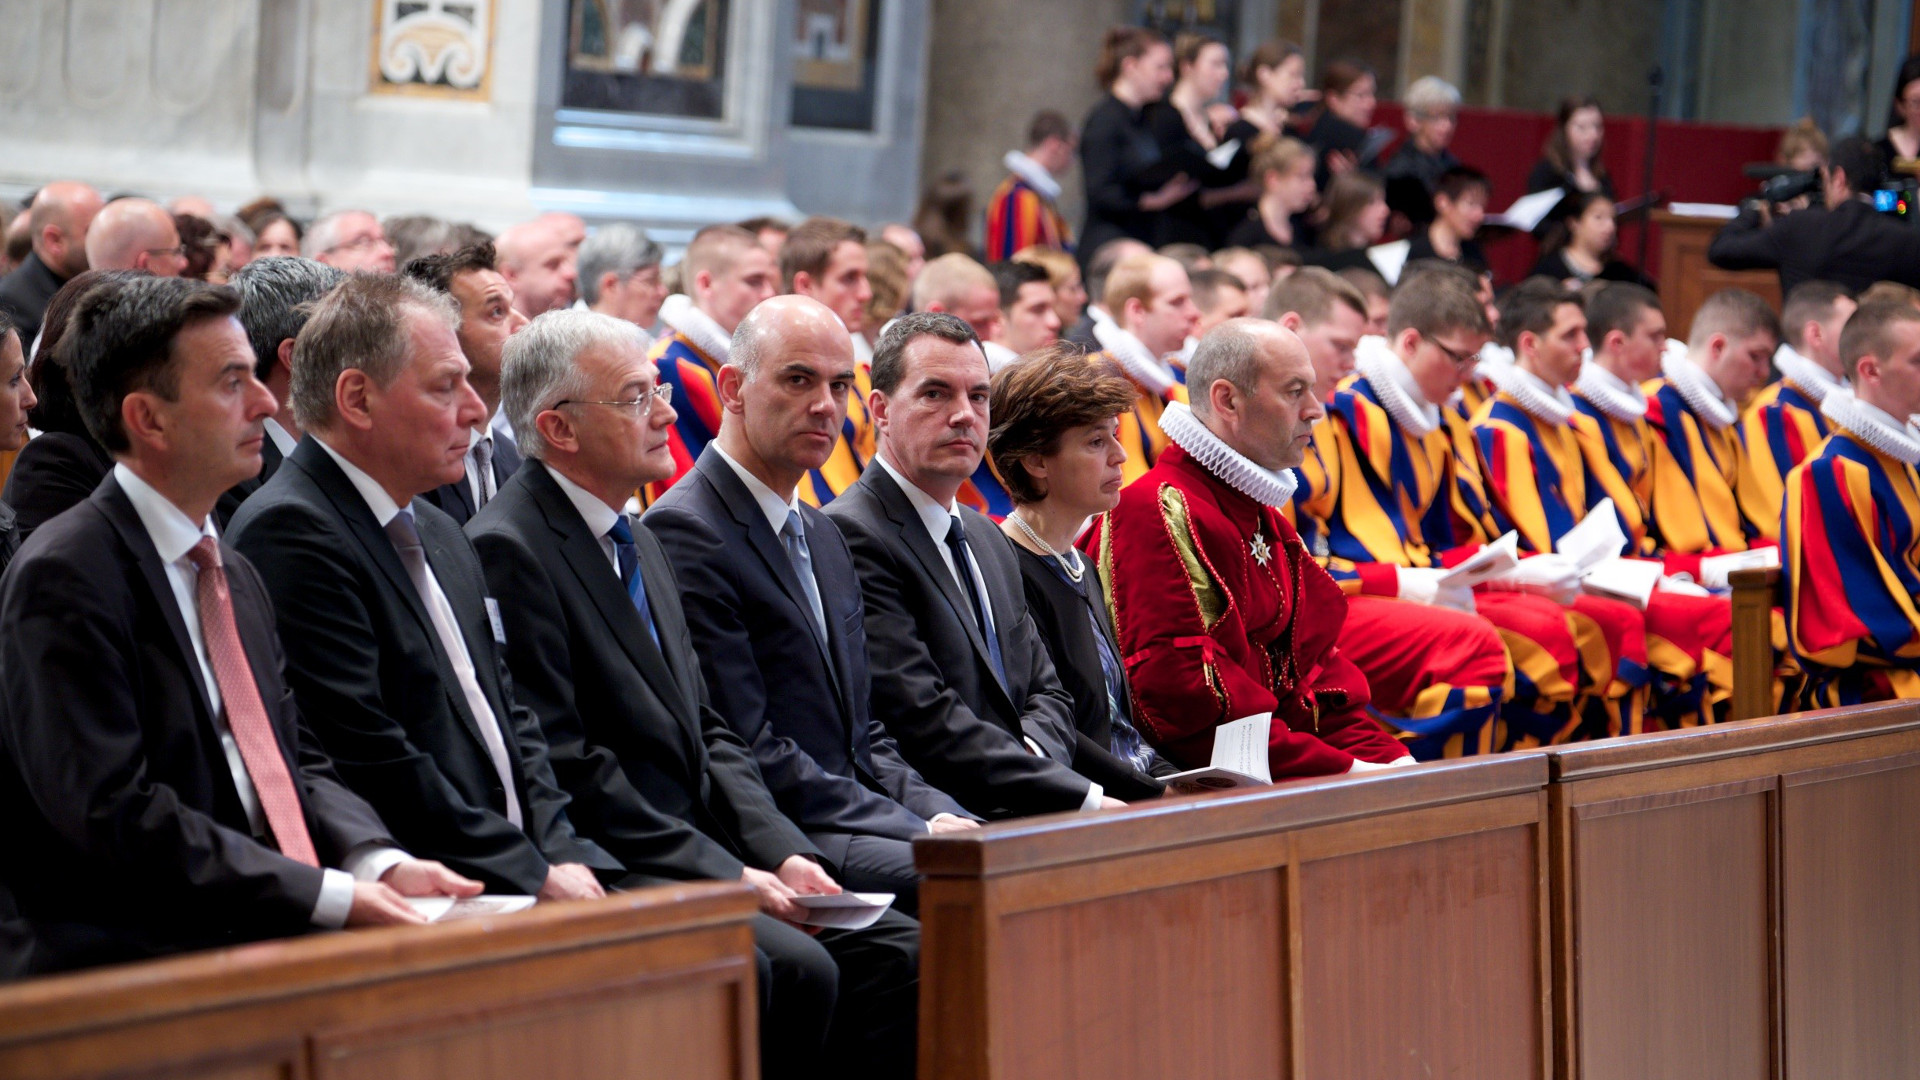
(1845,240)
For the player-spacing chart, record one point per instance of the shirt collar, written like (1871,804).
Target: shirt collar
(173,533)
(932,514)
(598,515)
(763,496)
(382,504)
(283,439)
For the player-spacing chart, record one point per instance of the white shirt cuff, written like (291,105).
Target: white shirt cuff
(336,899)
(1094,794)
(369,861)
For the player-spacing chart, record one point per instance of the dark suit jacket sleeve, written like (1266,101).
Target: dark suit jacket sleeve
(333,664)
(1744,244)
(53,474)
(606,805)
(904,782)
(975,760)
(71,726)
(815,798)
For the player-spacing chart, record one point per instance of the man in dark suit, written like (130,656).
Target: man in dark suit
(774,604)
(1844,240)
(274,293)
(487,319)
(59,218)
(160,786)
(960,676)
(598,644)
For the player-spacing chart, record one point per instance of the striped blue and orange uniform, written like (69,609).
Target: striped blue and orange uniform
(1140,430)
(696,400)
(1020,217)
(1544,477)
(1695,509)
(1781,428)
(1850,530)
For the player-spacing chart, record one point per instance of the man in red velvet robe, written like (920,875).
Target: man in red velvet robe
(1220,611)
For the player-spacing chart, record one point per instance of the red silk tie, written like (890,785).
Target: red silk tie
(246,716)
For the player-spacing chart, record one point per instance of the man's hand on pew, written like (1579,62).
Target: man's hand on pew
(950,823)
(571,881)
(383,902)
(1108,802)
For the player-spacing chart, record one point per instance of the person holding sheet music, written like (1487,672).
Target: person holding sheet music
(1571,159)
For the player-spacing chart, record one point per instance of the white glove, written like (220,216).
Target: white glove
(1552,576)
(1375,766)
(1422,586)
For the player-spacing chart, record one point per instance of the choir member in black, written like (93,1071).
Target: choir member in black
(1902,140)
(1571,160)
(1127,182)
(1356,220)
(1275,75)
(1579,246)
(1459,206)
(1337,127)
(1413,172)
(1284,168)
(1190,126)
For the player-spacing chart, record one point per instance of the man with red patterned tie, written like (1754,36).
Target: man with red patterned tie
(1220,610)
(161,789)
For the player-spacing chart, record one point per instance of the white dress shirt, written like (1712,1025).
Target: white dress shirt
(938,520)
(600,517)
(459,656)
(174,535)
(763,496)
(283,439)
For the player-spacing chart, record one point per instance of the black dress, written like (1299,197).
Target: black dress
(1545,177)
(1187,222)
(1555,265)
(1251,232)
(1118,158)
(1420,246)
(1074,627)
(1329,134)
(1411,176)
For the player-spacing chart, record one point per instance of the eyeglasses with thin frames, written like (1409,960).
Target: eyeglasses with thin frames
(1459,359)
(639,406)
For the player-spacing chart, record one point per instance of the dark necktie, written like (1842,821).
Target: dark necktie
(483,471)
(963,568)
(629,559)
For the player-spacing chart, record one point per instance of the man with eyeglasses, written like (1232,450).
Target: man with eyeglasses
(351,240)
(599,647)
(136,234)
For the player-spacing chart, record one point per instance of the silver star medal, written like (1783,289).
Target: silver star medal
(1262,553)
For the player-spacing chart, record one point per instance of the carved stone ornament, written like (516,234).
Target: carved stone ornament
(442,48)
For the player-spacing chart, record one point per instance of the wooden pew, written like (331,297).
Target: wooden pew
(1754,596)
(656,983)
(1380,926)
(1739,900)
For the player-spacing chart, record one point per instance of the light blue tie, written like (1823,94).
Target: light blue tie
(794,539)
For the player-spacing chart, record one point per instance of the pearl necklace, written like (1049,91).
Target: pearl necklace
(1069,559)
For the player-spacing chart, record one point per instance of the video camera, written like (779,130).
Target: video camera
(1898,197)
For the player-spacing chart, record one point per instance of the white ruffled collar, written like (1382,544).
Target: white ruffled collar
(678,312)
(1872,425)
(1701,393)
(1134,358)
(1493,357)
(1807,376)
(1034,173)
(1610,393)
(1393,384)
(1228,465)
(1539,400)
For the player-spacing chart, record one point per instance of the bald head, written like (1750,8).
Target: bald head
(783,392)
(60,218)
(135,234)
(538,262)
(570,228)
(1251,382)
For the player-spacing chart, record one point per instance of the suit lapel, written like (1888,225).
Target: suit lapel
(113,502)
(761,537)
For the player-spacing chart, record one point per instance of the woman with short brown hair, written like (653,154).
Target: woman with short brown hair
(1055,445)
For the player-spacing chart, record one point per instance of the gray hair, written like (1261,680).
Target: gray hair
(623,249)
(1431,94)
(324,234)
(274,296)
(360,326)
(539,368)
(744,352)
(1227,352)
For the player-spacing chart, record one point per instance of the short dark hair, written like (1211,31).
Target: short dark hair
(1809,301)
(1856,157)
(437,272)
(1038,399)
(764,223)
(1209,284)
(890,355)
(1048,124)
(1311,292)
(1529,307)
(1009,276)
(811,244)
(1459,180)
(1866,331)
(1436,302)
(275,298)
(120,340)
(1734,312)
(1617,306)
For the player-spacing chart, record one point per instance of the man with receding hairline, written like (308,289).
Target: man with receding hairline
(725,273)
(1220,610)
(352,240)
(1151,304)
(58,220)
(135,234)
(537,259)
(1850,526)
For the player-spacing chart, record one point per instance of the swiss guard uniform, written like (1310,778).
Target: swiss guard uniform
(1851,533)
(1782,427)
(1156,383)
(1022,212)
(1221,613)
(1696,508)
